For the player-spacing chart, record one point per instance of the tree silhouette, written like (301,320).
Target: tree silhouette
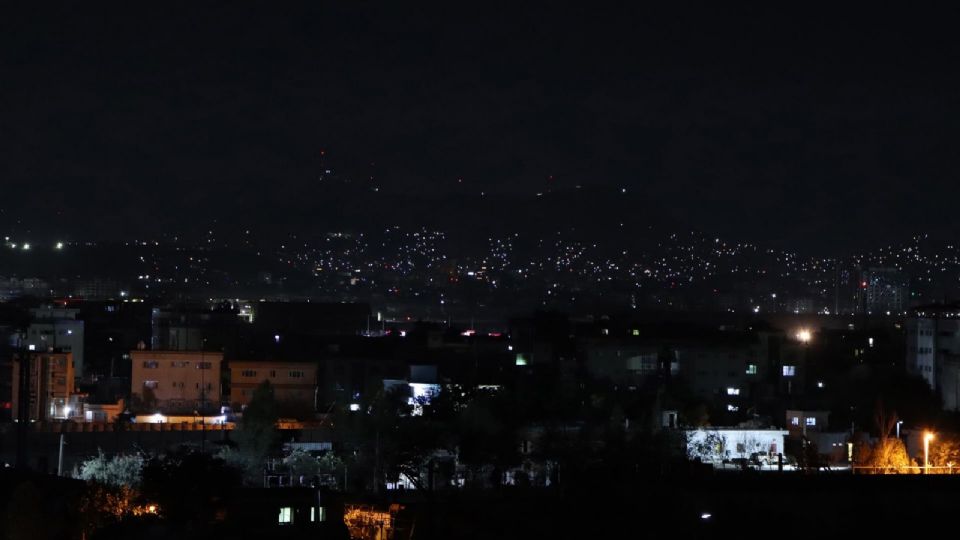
(186,484)
(256,434)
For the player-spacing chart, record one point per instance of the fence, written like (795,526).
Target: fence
(911,469)
(109,427)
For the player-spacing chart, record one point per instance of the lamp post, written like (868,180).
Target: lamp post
(898,427)
(203,398)
(927,437)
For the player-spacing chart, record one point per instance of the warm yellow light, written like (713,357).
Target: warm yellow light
(804,335)
(928,436)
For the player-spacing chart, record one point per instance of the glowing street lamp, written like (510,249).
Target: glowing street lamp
(804,335)
(927,437)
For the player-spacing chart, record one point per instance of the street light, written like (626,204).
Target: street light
(927,437)
(898,427)
(203,398)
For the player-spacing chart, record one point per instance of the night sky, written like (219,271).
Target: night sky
(816,129)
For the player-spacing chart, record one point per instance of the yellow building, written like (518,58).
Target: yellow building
(293,383)
(175,381)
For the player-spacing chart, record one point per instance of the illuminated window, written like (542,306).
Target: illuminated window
(733,408)
(811,421)
(789,371)
(636,332)
(286,515)
(751,369)
(795,421)
(521,360)
(150,384)
(318,513)
(733,391)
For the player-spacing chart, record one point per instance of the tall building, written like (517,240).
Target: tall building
(847,290)
(802,305)
(99,289)
(884,291)
(186,327)
(933,350)
(59,329)
(15,288)
(49,385)
(175,381)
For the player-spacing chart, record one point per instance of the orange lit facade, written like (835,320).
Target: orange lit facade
(175,381)
(50,384)
(292,382)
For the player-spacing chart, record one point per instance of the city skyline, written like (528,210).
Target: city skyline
(410,271)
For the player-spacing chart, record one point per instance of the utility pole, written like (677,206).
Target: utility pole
(23,403)
(836,288)
(63,442)
(203,400)
(376,464)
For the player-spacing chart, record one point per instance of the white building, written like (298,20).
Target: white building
(57,328)
(933,350)
(716,445)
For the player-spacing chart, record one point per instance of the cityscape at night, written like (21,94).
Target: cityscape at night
(426,271)
(381,271)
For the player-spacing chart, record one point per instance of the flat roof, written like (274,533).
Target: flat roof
(270,363)
(211,354)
